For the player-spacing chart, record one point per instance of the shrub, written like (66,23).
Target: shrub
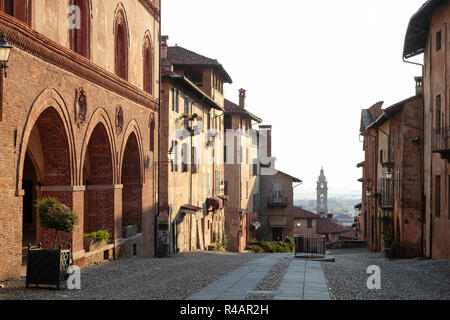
(99,235)
(272,247)
(55,215)
(221,242)
(256,249)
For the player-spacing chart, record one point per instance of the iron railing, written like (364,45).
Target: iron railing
(310,246)
(386,191)
(278,202)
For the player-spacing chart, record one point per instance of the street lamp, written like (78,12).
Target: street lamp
(5,50)
(389,174)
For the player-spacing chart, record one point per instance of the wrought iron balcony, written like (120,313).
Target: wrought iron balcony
(441,142)
(278,202)
(386,193)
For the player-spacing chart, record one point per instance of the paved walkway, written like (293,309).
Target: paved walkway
(304,280)
(237,284)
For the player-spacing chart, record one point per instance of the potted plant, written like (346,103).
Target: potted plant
(49,266)
(96,240)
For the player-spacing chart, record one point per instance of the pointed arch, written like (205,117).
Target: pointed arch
(148,63)
(121,41)
(49,101)
(132,128)
(80,36)
(99,116)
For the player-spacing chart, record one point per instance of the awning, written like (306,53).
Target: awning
(278,222)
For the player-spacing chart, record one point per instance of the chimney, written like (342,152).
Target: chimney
(164,47)
(166,66)
(242,98)
(419,86)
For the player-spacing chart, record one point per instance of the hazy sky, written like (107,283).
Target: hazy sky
(309,67)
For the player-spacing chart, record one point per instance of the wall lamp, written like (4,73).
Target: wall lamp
(5,50)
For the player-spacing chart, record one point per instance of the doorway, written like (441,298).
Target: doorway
(29,220)
(277,234)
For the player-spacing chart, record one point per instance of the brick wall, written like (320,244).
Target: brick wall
(28,93)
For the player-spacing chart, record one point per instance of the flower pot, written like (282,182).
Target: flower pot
(47,267)
(389,253)
(130,231)
(92,245)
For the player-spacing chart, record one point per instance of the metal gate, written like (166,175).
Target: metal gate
(310,246)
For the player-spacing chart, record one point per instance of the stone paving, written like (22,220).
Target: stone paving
(192,276)
(304,280)
(403,279)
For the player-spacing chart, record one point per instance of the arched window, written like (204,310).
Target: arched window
(148,66)
(121,45)
(20,9)
(152,133)
(80,34)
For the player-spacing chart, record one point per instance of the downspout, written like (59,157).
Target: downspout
(156,196)
(424,208)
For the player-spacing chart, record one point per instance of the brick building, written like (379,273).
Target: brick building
(392,175)
(428,34)
(79,121)
(241,174)
(192,134)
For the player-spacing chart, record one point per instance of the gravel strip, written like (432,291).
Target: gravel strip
(400,279)
(174,278)
(272,281)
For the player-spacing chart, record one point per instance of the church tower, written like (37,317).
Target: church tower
(322,194)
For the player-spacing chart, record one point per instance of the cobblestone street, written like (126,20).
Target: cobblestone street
(174,278)
(400,279)
(193,276)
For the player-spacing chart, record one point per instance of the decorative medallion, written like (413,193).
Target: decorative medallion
(80,107)
(119,119)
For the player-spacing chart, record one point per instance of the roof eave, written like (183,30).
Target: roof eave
(192,86)
(418,29)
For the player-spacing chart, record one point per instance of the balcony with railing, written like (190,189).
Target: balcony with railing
(441,142)
(278,202)
(386,193)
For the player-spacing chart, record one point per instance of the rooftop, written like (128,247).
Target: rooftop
(179,56)
(231,107)
(418,28)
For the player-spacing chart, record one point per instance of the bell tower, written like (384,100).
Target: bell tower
(322,194)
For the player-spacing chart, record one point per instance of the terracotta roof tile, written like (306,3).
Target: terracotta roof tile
(301,213)
(231,107)
(183,57)
(327,226)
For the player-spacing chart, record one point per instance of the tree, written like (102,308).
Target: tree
(55,215)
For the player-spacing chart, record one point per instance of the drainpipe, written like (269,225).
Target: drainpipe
(424,207)
(156,202)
